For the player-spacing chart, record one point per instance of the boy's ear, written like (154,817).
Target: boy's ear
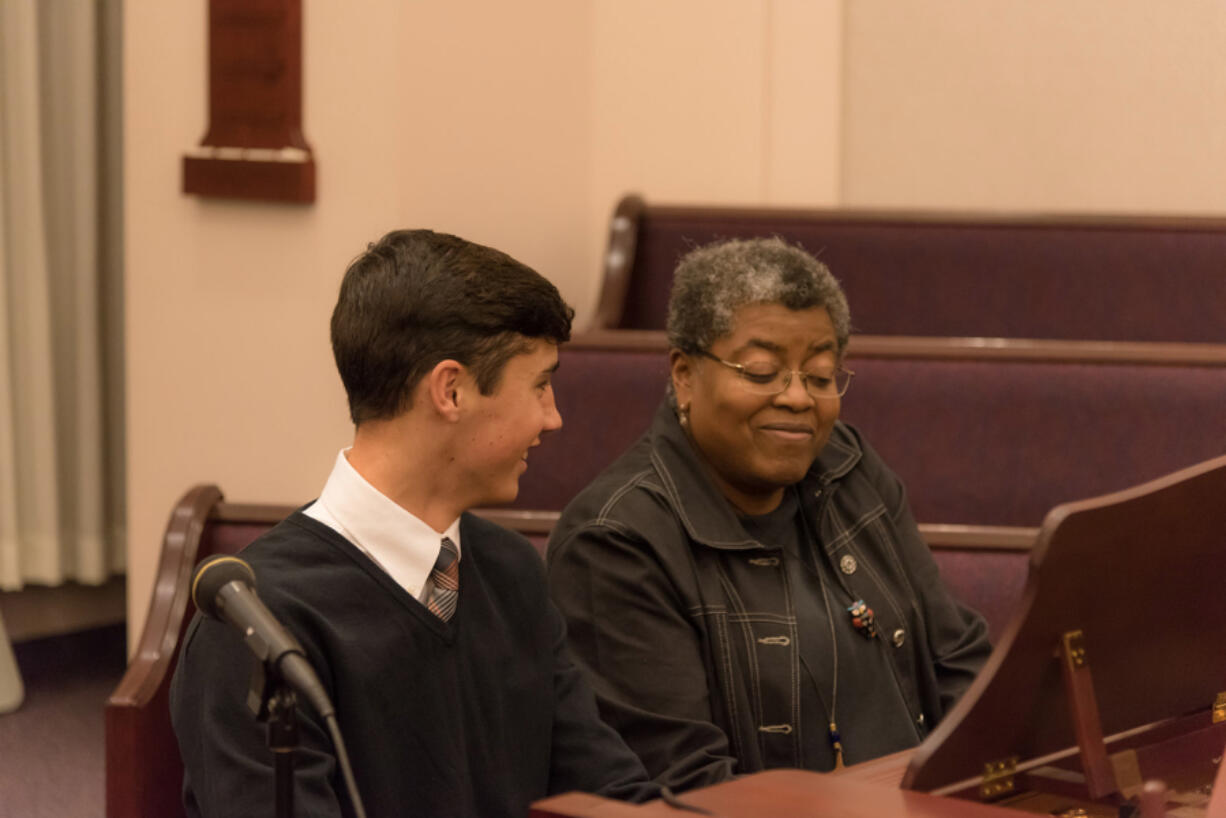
(444,387)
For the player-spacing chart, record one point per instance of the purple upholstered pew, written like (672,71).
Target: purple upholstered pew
(993,435)
(1001,443)
(987,439)
(937,274)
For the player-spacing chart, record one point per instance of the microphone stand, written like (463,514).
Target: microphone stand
(283,740)
(274,703)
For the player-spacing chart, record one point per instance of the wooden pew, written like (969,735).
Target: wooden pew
(1127,278)
(1139,409)
(987,434)
(144,771)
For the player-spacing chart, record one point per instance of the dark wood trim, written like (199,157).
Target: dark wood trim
(937,535)
(795,793)
(978,537)
(938,218)
(1170,353)
(130,716)
(619,260)
(170,596)
(254,147)
(274,181)
(522,520)
(971,349)
(269,514)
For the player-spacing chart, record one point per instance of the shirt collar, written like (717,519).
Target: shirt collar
(398,541)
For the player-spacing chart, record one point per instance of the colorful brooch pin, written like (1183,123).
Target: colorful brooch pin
(862,619)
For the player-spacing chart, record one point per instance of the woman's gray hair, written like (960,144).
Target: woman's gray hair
(714,281)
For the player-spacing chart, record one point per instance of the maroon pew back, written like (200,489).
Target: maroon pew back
(938,274)
(980,436)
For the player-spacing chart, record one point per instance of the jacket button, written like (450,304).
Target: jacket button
(900,636)
(782,729)
(848,564)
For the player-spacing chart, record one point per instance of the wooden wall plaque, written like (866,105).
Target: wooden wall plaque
(254,147)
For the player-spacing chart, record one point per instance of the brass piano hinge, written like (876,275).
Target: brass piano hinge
(1075,648)
(998,778)
(1219,708)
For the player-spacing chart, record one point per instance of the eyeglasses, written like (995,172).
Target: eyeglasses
(764,378)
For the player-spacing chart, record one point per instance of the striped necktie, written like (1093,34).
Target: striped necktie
(445,581)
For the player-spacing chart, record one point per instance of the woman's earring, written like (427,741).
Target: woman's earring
(683,416)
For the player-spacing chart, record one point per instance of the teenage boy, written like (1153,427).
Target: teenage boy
(430,628)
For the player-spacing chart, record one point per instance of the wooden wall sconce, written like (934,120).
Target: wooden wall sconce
(254,147)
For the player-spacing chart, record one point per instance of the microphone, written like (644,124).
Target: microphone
(224,589)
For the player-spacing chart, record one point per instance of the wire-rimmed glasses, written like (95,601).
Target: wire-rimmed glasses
(764,378)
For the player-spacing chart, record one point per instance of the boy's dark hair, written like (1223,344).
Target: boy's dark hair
(417,297)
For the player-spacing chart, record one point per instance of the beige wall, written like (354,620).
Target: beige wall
(519,125)
(1109,105)
(513,124)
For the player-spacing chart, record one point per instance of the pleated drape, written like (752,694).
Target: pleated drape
(57,521)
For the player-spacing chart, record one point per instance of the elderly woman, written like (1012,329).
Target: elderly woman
(746,586)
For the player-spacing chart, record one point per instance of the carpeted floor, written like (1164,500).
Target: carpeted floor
(52,748)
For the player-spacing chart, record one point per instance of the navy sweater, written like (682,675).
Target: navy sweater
(478,716)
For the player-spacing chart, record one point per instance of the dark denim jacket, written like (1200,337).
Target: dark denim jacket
(686,625)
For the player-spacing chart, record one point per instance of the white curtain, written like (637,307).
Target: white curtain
(60,469)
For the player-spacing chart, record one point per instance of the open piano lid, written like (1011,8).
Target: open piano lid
(1139,573)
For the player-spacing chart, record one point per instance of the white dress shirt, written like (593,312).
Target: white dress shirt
(397,541)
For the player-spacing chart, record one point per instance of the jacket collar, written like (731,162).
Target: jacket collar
(708,517)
